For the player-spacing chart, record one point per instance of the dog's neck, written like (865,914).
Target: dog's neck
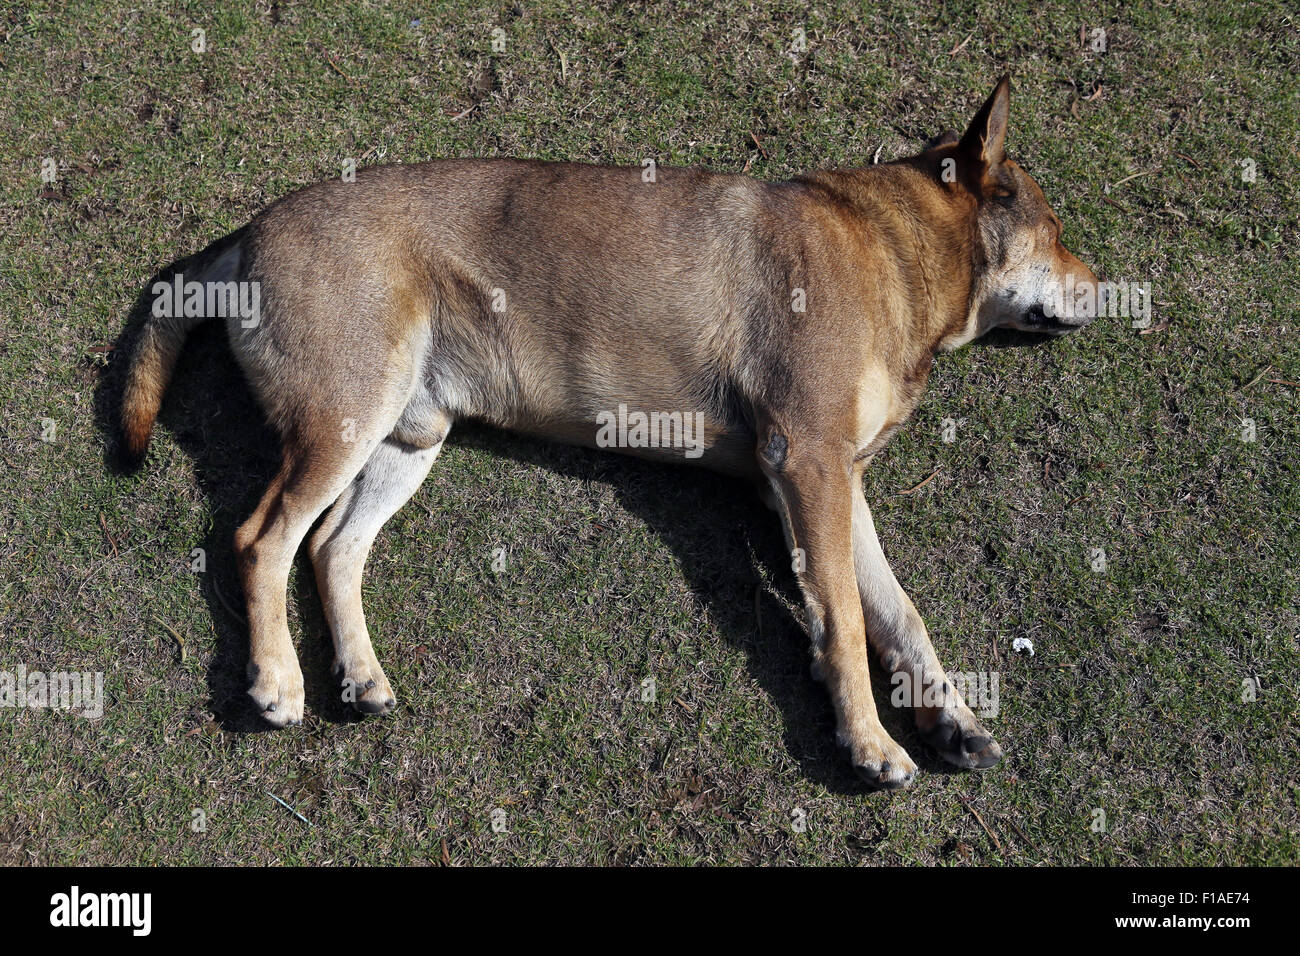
(934,237)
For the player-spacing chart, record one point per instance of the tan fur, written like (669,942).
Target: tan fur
(539,296)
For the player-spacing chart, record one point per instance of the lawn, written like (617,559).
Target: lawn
(634,686)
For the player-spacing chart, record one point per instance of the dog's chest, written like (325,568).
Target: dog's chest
(883,406)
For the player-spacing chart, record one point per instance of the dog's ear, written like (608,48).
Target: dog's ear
(984,142)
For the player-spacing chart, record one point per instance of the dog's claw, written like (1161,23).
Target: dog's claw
(884,778)
(882,764)
(960,740)
(371,693)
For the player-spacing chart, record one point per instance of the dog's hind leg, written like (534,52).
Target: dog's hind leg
(320,461)
(899,637)
(338,550)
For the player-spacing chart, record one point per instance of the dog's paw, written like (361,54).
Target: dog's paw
(881,762)
(277,690)
(959,738)
(364,685)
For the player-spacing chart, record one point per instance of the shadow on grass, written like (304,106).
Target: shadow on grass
(725,540)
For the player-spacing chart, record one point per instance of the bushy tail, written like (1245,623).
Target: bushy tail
(159,346)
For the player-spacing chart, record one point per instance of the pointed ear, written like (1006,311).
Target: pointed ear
(985,139)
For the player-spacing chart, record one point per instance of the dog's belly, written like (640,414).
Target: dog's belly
(647,423)
(641,434)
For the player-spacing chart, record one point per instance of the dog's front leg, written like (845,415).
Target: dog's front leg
(899,637)
(812,484)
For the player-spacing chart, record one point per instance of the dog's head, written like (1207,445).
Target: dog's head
(1024,277)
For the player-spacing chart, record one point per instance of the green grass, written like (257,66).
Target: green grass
(522,690)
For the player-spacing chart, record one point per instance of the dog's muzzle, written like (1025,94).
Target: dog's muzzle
(1037,320)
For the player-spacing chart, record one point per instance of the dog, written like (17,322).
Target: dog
(788,327)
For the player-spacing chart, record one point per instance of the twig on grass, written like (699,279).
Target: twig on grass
(103,523)
(1255,381)
(1009,821)
(180,644)
(922,484)
(289,808)
(1145,172)
(960,46)
(329,58)
(980,820)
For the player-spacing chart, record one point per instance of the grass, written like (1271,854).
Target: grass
(523,690)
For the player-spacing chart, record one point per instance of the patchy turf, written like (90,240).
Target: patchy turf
(523,690)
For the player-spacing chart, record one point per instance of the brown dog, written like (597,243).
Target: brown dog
(780,332)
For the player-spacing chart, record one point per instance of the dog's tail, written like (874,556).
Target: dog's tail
(162,336)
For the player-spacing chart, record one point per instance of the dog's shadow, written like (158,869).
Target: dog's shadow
(728,544)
